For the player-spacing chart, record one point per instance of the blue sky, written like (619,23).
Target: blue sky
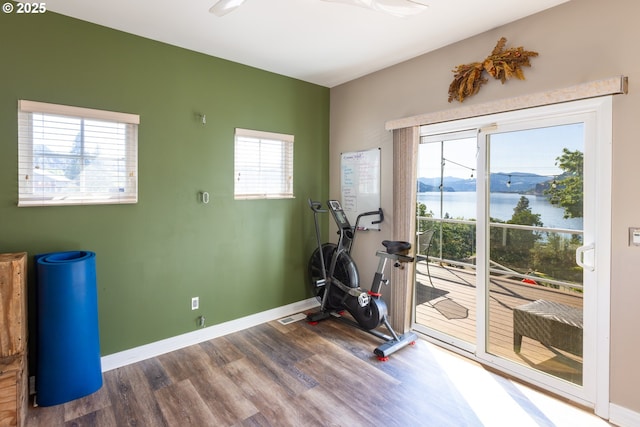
(531,151)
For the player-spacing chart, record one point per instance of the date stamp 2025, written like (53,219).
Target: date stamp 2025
(24,8)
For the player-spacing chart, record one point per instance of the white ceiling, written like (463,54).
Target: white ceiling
(312,40)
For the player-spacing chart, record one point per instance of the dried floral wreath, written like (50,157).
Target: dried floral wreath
(501,64)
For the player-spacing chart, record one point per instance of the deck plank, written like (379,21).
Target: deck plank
(459,286)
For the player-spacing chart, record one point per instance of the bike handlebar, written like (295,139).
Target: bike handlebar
(378,212)
(316,206)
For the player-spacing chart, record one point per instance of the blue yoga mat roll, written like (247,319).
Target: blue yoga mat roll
(68,341)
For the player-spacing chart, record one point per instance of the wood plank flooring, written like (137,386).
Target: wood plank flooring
(304,375)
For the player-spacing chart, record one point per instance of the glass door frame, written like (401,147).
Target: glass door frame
(596,113)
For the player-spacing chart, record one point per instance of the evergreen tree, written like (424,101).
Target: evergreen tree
(512,247)
(569,187)
(522,214)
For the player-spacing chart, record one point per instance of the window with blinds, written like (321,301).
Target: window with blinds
(263,165)
(76,156)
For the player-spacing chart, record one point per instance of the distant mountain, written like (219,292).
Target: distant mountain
(514,182)
(450,183)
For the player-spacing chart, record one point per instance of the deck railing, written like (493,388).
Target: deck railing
(550,251)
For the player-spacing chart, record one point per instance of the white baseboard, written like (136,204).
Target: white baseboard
(147,351)
(621,416)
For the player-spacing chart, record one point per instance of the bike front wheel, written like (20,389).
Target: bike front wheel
(345,271)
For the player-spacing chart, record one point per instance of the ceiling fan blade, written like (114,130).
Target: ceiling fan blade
(222,7)
(399,8)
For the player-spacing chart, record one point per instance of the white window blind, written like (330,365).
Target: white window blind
(76,156)
(263,165)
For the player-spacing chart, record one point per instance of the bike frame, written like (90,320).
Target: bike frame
(367,307)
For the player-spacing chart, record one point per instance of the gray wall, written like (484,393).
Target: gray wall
(578,42)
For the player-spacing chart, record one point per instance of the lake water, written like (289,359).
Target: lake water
(463,204)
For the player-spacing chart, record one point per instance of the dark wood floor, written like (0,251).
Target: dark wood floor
(295,375)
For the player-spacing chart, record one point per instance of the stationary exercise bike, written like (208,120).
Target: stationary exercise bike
(335,280)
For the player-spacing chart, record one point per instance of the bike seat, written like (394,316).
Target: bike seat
(395,247)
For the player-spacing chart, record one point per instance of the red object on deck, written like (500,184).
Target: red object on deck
(529,281)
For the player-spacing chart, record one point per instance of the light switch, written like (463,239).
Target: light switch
(634,236)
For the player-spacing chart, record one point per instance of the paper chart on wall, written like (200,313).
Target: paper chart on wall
(360,185)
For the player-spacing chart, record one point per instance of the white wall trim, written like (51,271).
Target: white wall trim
(621,416)
(137,354)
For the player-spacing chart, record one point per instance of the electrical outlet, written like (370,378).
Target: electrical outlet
(195,303)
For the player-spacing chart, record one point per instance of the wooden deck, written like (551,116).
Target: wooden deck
(448,304)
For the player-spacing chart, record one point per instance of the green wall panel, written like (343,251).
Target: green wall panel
(239,257)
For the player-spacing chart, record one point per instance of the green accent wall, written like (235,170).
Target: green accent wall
(239,257)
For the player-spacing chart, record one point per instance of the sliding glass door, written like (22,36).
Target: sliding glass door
(534,290)
(507,218)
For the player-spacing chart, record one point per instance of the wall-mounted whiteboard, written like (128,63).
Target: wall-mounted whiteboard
(360,185)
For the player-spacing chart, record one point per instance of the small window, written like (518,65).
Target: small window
(263,165)
(76,156)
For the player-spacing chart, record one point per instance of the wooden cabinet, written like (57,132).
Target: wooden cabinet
(14,391)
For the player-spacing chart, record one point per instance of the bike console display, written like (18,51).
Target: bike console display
(338,214)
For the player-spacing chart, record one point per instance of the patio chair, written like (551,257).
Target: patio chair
(424,245)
